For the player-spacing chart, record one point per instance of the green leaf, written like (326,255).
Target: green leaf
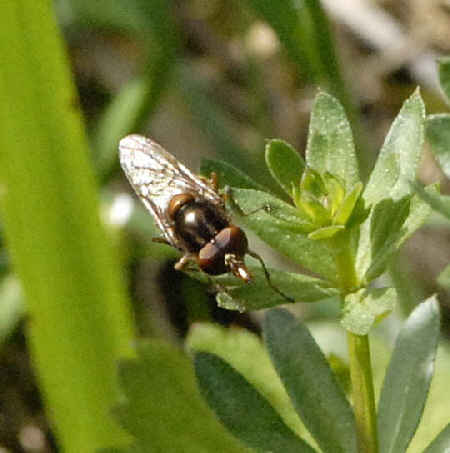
(399,157)
(258,295)
(309,381)
(245,352)
(439,203)
(326,232)
(313,183)
(162,407)
(382,230)
(441,443)
(228,175)
(285,164)
(389,224)
(444,75)
(437,409)
(437,129)
(281,225)
(407,379)
(253,205)
(330,141)
(364,309)
(348,211)
(312,207)
(418,214)
(242,409)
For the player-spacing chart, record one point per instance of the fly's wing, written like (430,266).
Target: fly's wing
(157,176)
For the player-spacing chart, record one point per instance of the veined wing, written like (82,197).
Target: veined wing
(157,176)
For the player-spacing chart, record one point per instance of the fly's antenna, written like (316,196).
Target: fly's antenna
(267,275)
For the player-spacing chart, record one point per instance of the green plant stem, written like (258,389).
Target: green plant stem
(363,393)
(359,359)
(345,263)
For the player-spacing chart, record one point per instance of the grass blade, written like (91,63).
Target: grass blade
(78,321)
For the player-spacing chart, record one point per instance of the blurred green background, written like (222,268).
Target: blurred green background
(80,276)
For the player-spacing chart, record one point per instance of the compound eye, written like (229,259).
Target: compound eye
(232,240)
(212,260)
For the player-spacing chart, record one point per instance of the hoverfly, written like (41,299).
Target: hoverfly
(188,209)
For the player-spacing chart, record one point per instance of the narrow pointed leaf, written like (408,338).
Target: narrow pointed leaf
(438,136)
(309,381)
(379,234)
(442,442)
(258,295)
(439,203)
(245,352)
(399,157)
(407,379)
(326,232)
(285,164)
(255,204)
(330,141)
(388,226)
(242,409)
(348,206)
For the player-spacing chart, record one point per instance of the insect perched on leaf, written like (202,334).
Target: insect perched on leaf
(188,209)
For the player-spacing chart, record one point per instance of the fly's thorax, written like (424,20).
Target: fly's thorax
(177,202)
(196,221)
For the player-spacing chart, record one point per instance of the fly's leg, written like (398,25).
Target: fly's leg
(267,275)
(214,182)
(160,240)
(183,262)
(266,208)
